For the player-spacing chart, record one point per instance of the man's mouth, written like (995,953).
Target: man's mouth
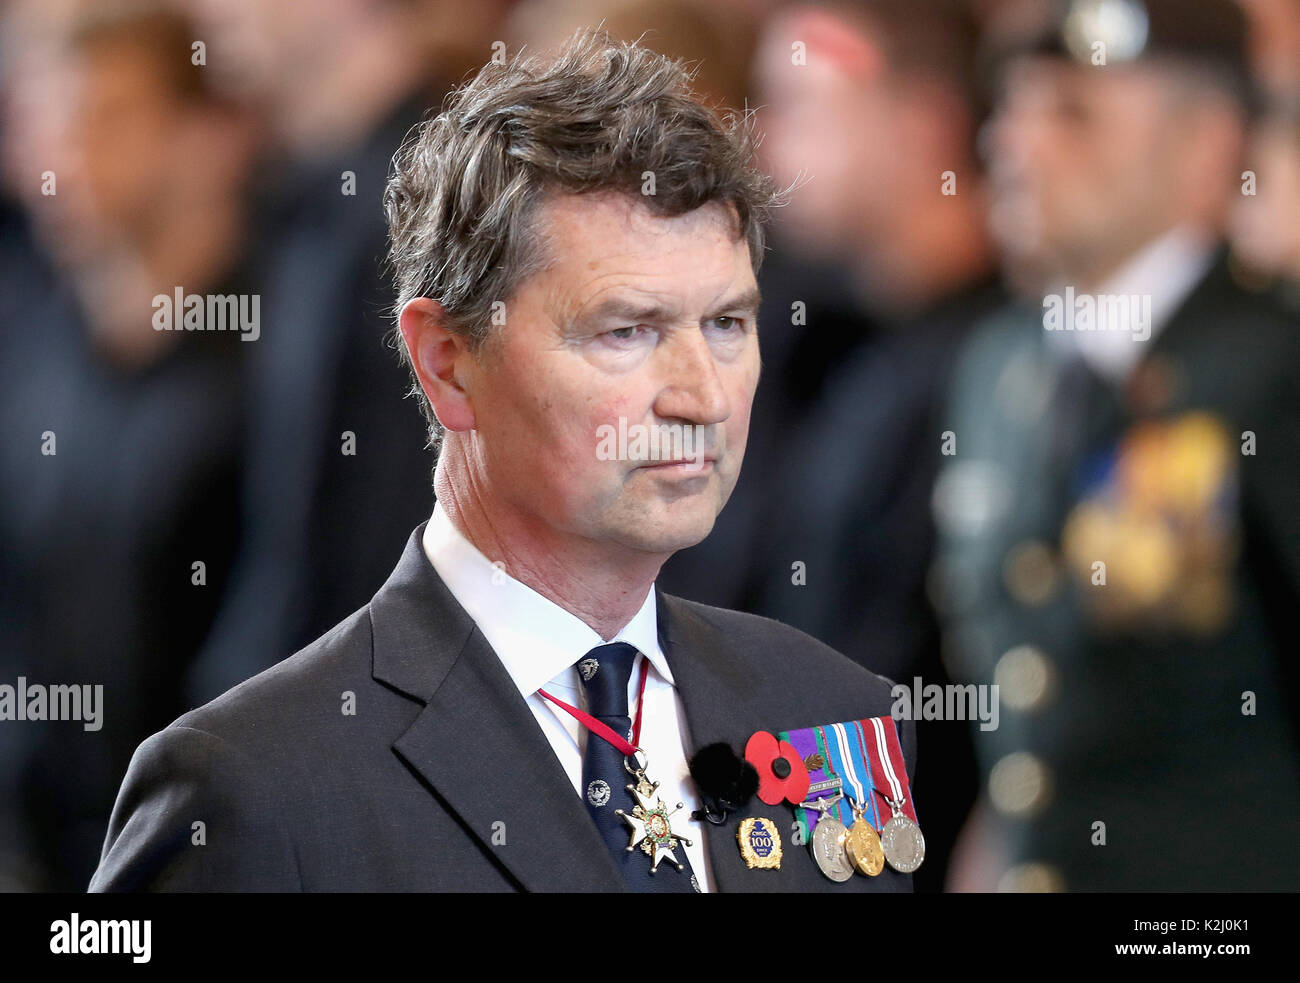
(685,464)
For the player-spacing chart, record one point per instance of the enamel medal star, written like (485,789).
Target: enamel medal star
(651,825)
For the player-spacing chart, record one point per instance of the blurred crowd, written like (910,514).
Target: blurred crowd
(940,482)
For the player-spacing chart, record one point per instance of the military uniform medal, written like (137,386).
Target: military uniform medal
(828,844)
(863,846)
(900,838)
(902,841)
(650,820)
(829,835)
(848,757)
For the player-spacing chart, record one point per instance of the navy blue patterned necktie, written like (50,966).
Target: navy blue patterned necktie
(605,672)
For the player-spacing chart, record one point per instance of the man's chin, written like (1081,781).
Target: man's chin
(672,528)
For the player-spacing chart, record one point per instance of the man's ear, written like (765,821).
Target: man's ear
(440,357)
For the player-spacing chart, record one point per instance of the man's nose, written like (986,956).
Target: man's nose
(1016,137)
(693,391)
(1003,144)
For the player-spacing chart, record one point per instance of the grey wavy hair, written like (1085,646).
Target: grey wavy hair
(465,187)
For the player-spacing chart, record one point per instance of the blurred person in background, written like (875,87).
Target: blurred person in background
(122,471)
(31,143)
(1266,224)
(879,117)
(341,84)
(713,42)
(1274,43)
(1120,520)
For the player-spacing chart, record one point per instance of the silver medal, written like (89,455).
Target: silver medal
(902,841)
(828,848)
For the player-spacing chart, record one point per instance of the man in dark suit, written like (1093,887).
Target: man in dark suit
(1119,516)
(575,244)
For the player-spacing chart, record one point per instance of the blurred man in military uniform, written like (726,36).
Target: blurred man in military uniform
(1120,531)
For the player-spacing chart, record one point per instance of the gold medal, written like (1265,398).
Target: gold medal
(760,843)
(863,846)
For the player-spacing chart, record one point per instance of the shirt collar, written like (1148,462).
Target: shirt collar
(535,639)
(1166,270)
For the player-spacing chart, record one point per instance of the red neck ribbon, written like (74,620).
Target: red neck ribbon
(603,730)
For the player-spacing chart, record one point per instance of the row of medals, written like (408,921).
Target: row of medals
(839,851)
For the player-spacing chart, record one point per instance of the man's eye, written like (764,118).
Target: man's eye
(624,334)
(726,322)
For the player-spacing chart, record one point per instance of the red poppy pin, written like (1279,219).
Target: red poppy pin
(781,772)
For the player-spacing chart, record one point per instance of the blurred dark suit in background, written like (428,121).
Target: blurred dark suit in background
(1265,232)
(138,480)
(343,85)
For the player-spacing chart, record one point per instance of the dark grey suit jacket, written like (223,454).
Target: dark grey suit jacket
(441,780)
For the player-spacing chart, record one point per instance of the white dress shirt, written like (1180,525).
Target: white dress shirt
(1166,270)
(540,645)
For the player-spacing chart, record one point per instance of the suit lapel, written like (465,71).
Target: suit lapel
(476,742)
(716,694)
